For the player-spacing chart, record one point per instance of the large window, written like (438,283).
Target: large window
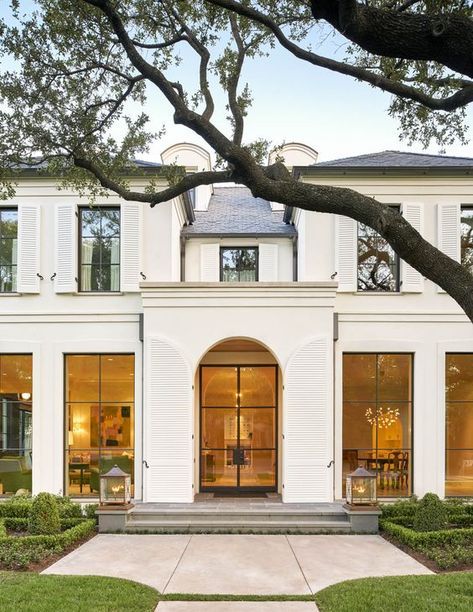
(377,419)
(378,264)
(99,431)
(459,425)
(99,249)
(8,249)
(238,264)
(16,424)
(466,237)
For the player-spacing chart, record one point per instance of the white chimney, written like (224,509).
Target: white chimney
(194,159)
(293,154)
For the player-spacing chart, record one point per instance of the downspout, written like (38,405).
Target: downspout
(183,259)
(294,258)
(335,338)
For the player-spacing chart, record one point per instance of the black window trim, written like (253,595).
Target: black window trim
(12,207)
(247,247)
(397,260)
(79,255)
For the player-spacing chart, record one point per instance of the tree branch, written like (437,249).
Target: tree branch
(233,80)
(449,103)
(185,184)
(443,38)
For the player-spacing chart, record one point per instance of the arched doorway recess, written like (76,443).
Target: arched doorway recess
(238,418)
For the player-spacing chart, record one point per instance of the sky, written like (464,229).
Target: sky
(295,101)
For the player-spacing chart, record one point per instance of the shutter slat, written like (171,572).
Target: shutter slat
(168,425)
(448,228)
(307,425)
(210,263)
(267,262)
(130,246)
(412,280)
(346,237)
(28,257)
(66,249)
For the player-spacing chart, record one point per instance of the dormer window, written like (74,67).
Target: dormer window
(238,264)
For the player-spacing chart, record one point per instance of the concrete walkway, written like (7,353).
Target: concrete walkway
(238,564)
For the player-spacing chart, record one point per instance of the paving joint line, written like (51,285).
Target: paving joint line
(299,565)
(177,564)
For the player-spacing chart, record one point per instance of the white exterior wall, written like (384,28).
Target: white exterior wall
(285,318)
(184,321)
(193,255)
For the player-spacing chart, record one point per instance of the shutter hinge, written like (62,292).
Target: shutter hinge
(76,213)
(143,276)
(39,276)
(192,436)
(53,276)
(76,279)
(192,387)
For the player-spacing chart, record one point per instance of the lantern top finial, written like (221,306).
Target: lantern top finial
(360,472)
(115,472)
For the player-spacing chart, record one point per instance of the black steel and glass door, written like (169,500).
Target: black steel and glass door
(238,428)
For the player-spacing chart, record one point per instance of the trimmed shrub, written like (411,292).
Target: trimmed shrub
(3,529)
(19,552)
(89,511)
(431,514)
(44,516)
(16,509)
(402,508)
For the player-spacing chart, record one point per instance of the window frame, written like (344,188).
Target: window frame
(29,402)
(447,401)
(80,210)
(462,208)
(236,248)
(412,408)
(13,208)
(397,261)
(100,447)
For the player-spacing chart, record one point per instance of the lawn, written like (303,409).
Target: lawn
(437,593)
(26,592)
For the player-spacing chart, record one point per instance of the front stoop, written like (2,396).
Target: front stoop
(237,516)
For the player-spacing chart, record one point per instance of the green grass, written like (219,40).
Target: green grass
(25,592)
(437,593)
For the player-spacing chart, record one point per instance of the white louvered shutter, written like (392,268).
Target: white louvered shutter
(131,236)
(448,228)
(267,262)
(66,269)
(346,253)
(308,425)
(412,281)
(168,426)
(210,263)
(28,256)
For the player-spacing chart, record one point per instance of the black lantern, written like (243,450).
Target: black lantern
(361,488)
(115,487)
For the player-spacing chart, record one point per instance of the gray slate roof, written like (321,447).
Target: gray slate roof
(398,159)
(233,210)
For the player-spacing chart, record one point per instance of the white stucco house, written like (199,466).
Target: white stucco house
(223,344)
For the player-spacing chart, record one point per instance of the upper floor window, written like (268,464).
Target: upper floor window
(378,264)
(239,265)
(99,249)
(8,249)
(466,237)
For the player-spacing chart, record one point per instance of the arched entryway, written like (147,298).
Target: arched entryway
(238,389)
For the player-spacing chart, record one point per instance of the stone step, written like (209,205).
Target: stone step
(235,516)
(237,526)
